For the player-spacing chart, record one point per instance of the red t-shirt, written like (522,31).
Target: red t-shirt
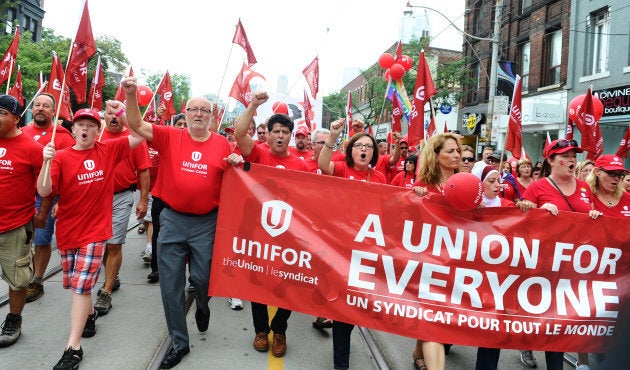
(84,180)
(20,162)
(542,191)
(302,155)
(264,156)
(371,175)
(312,165)
(338,156)
(126,173)
(383,166)
(404,180)
(430,188)
(63,137)
(622,209)
(154,156)
(398,167)
(191,172)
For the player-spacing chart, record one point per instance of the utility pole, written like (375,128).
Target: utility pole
(498,10)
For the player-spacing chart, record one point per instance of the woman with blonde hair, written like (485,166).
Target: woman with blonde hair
(584,168)
(439,160)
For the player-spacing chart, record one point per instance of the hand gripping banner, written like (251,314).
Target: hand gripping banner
(381,257)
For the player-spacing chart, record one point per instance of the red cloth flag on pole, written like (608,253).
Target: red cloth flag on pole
(83,48)
(592,140)
(16,90)
(422,92)
(396,114)
(311,73)
(348,115)
(54,88)
(96,88)
(399,50)
(514,140)
(240,38)
(6,64)
(241,90)
(165,89)
(431,129)
(307,111)
(120,93)
(182,109)
(624,145)
(445,127)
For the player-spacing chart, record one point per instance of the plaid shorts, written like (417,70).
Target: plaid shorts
(82,266)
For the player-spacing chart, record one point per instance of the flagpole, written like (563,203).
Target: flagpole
(227,63)
(10,73)
(32,100)
(95,83)
(61,97)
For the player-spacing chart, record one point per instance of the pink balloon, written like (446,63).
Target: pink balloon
(386,60)
(405,61)
(280,107)
(397,71)
(463,191)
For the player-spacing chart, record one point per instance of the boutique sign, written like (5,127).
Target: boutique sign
(616,100)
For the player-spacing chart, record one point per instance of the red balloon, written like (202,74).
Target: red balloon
(397,71)
(144,94)
(387,75)
(280,107)
(405,61)
(463,191)
(385,60)
(575,108)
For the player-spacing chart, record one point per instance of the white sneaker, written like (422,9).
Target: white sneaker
(235,304)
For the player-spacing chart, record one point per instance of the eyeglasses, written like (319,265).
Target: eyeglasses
(363,146)
(468,159)
(614,174)
(198,110)
(261,132)
(563,143)
(320,142)
(492,159)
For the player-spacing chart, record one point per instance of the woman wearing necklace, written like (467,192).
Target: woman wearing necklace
(606,183)
(559,190)
(439,160)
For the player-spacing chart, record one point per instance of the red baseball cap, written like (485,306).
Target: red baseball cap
(560,146)
(229,128)
(301,131)
(88,113)
(610,162)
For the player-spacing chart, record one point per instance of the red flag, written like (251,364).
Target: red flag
(307,111)
(241,90)
(96,89)
(6,64)
(165,89)
(311,73)
(348,114)
(399,50)
(568,134)
(120,93)
(514,140)
(240,38)
(431,129)
(182,109)
(83,49)
(396,114)
(54,88)
(422,92)
(16,90)
(445,127)
(592,140)
(624,145)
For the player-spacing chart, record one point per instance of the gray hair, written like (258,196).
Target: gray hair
(319,131)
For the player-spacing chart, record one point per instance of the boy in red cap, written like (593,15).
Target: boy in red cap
(83,176)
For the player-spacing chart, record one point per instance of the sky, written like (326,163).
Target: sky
(194,38)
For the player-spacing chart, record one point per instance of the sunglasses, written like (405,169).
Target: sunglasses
(615,174)
(468,159)
(564,143)
(492,159)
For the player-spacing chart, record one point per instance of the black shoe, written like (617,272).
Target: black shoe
(11,330)
(70,359)
(174,357)
(202,319)
(154,277)
(89,330)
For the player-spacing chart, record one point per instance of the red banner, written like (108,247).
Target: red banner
(381,257)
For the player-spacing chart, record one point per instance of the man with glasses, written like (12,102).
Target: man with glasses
(261,134)
(278,155)
(485,160)
(319,137)
(189,184)
(41,131)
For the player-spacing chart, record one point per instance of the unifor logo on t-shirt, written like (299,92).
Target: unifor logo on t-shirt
(89,164)
(275,217)
(3,151)
(196,156)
